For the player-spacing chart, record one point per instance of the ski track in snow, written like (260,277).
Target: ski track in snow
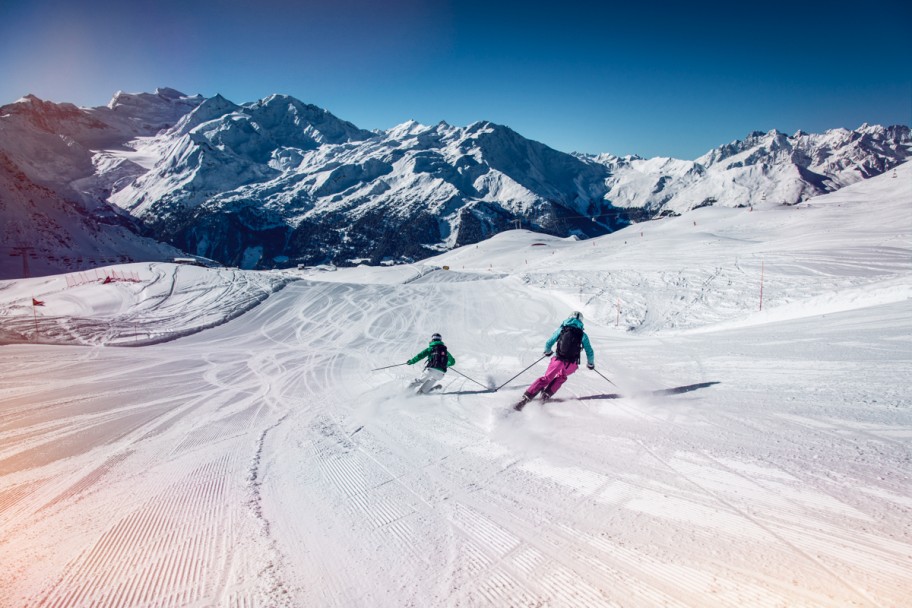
(261,463)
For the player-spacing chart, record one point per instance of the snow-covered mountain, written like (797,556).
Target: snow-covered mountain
(53,199)
(278,182)
(763,167)
(42,233)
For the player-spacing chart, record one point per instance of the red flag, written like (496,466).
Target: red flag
(37,302)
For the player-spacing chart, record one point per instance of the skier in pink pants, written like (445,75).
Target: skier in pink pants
(568,340)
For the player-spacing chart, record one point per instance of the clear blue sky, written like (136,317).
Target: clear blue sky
(637,78)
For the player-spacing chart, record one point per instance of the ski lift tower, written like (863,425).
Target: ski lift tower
(24,252)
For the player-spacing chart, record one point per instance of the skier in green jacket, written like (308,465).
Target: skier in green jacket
(438,359)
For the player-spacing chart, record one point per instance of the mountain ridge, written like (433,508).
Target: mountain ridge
(278,182)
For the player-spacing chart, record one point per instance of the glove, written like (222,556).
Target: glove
(590,365)
(548,353)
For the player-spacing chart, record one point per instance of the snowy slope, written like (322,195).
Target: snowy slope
(129,304)
(263,462)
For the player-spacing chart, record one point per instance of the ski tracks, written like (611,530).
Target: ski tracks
(175,477)
(454,507)
(789,525)
(169,552)
(772,516)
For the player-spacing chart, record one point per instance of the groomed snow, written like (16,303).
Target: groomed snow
(244,453)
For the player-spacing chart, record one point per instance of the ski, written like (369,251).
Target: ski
(656,393)
(522,403)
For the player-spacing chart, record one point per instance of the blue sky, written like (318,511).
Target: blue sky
(638,78)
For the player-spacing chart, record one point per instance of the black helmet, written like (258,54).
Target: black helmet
(577,315)
(436,337)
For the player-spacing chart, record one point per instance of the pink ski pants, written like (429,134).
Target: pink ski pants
(554,377)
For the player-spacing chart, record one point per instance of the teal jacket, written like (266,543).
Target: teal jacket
(426,354)
(590,354)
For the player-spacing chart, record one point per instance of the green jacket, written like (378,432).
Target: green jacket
(426,354)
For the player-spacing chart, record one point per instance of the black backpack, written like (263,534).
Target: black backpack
(569,344)
(438,358)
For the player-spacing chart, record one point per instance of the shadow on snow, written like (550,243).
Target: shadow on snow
(665,391)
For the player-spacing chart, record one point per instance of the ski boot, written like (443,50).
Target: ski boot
(526,398)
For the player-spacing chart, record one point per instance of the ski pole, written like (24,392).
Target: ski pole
(517,375)
(467,378)
(387,367)
(609,381)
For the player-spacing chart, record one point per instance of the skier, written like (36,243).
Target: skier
(569,339)
(438,359)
